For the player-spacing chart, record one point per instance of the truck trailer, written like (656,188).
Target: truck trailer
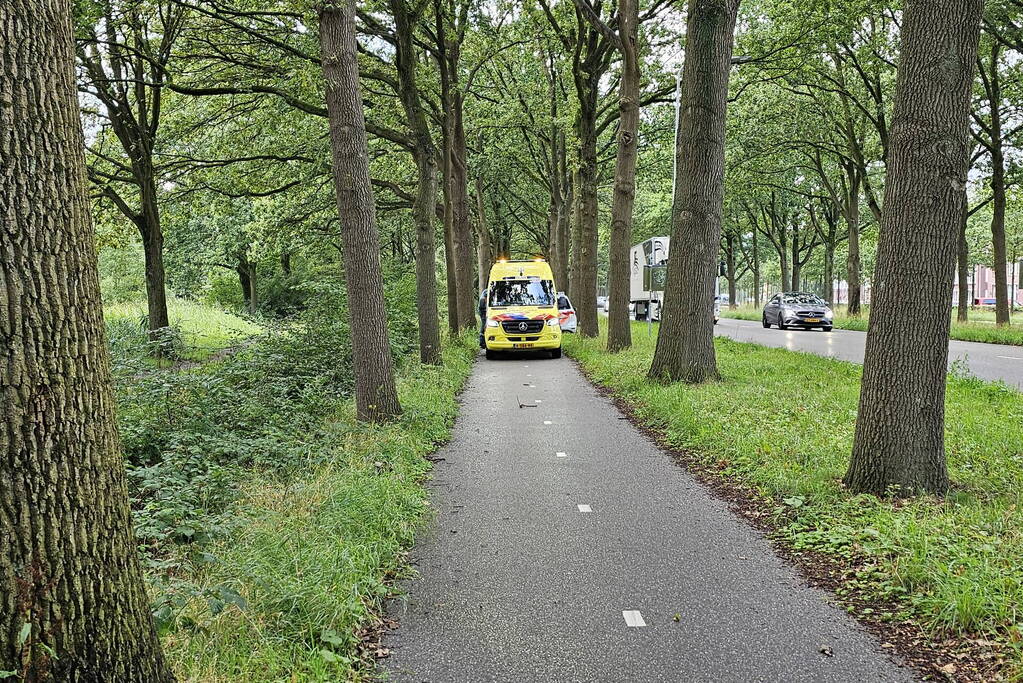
(649,266)
(649,263)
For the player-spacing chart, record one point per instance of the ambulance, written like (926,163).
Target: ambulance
(521,309)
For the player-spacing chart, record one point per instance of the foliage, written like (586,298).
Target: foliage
(313,552)
(951,564)
(251,464)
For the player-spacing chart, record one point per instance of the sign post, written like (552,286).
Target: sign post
(653,282)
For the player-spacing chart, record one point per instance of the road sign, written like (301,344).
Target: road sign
(654,277)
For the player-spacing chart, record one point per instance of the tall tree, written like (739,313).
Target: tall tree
(685,342)
(452,17)
(592,50)
(376,396)
(125,50)
(619,331)
(992,136)
(73,605)
(424,152)
(899,442)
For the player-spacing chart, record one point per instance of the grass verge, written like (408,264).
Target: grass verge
(285,594)
(204,330)
(781,424)
(981,327)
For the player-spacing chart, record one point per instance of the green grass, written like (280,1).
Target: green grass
(204,329)
(308,563)
(782,422)
(980,328)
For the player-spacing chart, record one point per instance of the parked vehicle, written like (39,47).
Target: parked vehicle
(602,303)
(649,263)
(566,313)
(521,311)
(798,309)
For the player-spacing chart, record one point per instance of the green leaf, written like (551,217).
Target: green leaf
(23,634)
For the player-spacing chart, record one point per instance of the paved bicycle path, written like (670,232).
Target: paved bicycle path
(517,582)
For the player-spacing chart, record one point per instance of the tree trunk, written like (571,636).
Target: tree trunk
(797,266)
(449,244)
(484,255)
(899,444)
(829,273)
(73,604)
(757,298)
(685,342)
(253,291)
(576,234)
(564,220)
(853,265)
(963,268)
(461,228)
(619,330)
(424,153)
(286,262)
(998,200)
(376,398)
(584,267)
(152,247)
(730,269)
(243,280)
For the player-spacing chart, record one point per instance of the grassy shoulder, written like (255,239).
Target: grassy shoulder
(308,562)
(980,328)
(782,423)
(203,330)
(269,520)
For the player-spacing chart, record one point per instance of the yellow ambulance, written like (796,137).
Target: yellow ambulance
(521,309)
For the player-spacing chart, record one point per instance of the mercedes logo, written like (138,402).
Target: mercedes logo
(523,327)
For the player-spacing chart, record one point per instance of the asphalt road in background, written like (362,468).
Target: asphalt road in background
(986,361)
(565,543)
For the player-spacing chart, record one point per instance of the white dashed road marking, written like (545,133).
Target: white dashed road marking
(547,422)
(1011,357)
(633,618)
(586,508)
(561,454)
(538,401)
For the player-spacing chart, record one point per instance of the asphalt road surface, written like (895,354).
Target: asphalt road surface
(565,543)
(986,361)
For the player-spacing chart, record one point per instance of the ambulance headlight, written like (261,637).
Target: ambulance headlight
(553,322)
(492,323)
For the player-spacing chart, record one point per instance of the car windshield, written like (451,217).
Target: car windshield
(805,299)
(527,292)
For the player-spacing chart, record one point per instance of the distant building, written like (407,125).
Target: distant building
(982,285)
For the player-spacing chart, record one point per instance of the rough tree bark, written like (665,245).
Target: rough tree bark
(73,604)
(963,268)
(899,442)
(376,397)
(584,247)
(685,342)
(993,139)
(853,266)
(484,249)
(126,70)
(619,329)
(424,151)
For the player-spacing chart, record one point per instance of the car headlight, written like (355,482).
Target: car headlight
(492,323)
(789,312)
(553,322)
(828,314)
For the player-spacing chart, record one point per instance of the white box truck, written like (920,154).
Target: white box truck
(649,265)
(649,262)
